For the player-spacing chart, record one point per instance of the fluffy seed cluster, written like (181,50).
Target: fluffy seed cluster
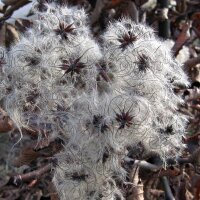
(99,99)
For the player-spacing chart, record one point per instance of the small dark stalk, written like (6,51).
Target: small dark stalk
(163,25)
(167,189)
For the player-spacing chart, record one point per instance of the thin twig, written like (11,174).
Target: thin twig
(18,179)
(145,165)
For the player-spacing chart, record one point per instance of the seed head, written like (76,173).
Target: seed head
(79,176)
(63,30)
(124,119)
(143,63)
(98,122)
(72,66)
(127,39)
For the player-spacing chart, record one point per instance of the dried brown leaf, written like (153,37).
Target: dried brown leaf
(44,142)
(23,24)
(6,123)
(182,38)
(12,35)
(196,20)
(2,34)
(9,2)
(27,156)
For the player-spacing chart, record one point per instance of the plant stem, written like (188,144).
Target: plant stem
(163,25)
